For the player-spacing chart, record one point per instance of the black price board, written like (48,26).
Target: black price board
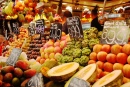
(14,56)
(115,32)
(76,82)
(31,28)
(55,31)
(35,81)
(74,27)
(40,26)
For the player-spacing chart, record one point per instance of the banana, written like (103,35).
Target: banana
(15,16)
(37,17)
(9,9)
(43,16)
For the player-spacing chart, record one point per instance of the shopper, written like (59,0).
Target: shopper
(95,22)
(66,15)
(2,39)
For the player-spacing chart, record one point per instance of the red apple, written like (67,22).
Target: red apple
(62,44)
(57,44)
(57,49)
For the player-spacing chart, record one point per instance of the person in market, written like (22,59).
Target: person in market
(95,22)
(2,39)
(66,15)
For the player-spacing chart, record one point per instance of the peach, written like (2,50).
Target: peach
(62,44)
(91,61)
(7,69)
(51,55)
(29,73)
(97,48)
(128,59)
(100,64)
(111,58)
(18,72)
(121,58)
(126,49)
(117,66)
(101,56)
(63,38)
(22,64)
(106,48)
(93,56)
(126,70)
(108,67)
(57,49)
(115,49)
(57,44)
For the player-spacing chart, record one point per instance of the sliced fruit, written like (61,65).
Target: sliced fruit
(63,72)
(113,79)
(125,85)
(87,73)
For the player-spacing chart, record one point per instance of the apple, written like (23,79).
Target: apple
(57,49)
(51,55)
(42,54)
(50,49)
(57,44)
(46,56)
(62,44)
(42,61)
(63,38)
(50,43)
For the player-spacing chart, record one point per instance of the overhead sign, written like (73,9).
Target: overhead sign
(35,81)
(13,56)
(115,32)
(74,27)
(55,31)
(76,82)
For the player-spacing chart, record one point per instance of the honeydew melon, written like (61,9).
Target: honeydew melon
(63,72)
(126,85)
(113,79)
(87,73)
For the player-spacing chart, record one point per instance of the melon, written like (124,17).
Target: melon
(126,85)
(87,73)
(63,72)
(113,79)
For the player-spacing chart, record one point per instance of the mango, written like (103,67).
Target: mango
(24,82)
(29,73)
(16,82)
(22,64)
(18,72)
(7,69)
(8,77)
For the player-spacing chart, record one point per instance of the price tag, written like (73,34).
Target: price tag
(55,31)
(115,32)
(14,56)
(31,28)
(40,26)
(35,81)
(86,26)
(74,27)
(15,27)
(76,82)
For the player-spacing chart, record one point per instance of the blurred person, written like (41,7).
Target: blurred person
(95,23)
(66,15)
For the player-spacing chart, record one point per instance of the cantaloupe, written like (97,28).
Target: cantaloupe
(87,73)
(113,79)
(126,85)
(63,72)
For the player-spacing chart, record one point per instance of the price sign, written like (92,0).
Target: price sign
(31,28)
(74,27)
(55,31)
(76,82)
(86,26)
(14,56)
(40,26)
(15,26)
(35,81)
(115,32)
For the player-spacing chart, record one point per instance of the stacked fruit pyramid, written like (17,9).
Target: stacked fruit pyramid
(111,57)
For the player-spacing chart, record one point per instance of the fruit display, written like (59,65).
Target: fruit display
(34,47)
(79,50)
(111,57)
(52,49)
(17,75)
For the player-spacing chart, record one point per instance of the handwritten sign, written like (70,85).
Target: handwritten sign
(74,27)
(76,82)
(14,56)
(40,26)
(35,81)
(31,28)
(55,31)
(15,27)
(115,32)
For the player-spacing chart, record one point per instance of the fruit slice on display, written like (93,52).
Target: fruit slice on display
(113,79)
(126,84)
(63,72)
(87,73)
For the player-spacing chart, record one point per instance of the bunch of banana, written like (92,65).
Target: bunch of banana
(12,17)
(9,8)
(43,16)
(21,17)
(44,1)
(37,17)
